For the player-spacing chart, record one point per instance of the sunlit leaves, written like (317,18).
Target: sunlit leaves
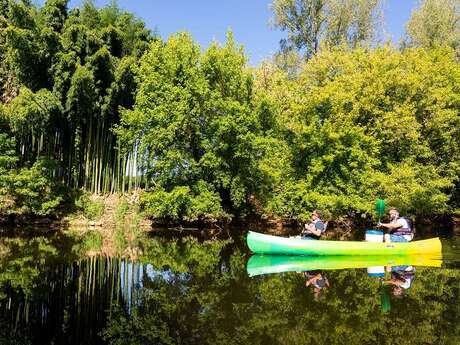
(371,115)
(193,121)
(435,23)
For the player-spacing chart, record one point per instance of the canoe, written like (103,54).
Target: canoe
(267,264)
(267,244)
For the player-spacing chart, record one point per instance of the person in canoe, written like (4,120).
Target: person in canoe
(315,228)
(399,228)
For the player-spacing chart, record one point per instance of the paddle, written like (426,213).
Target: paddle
(385,302)
(380,208)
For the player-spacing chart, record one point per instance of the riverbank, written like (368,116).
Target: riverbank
(95,211)
(114,225)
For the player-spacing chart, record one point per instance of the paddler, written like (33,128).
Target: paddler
(315,228)
(399,228)
(318,280)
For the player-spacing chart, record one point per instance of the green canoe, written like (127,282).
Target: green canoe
(266,264)
(267,244)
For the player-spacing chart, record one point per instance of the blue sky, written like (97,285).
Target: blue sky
(209,20)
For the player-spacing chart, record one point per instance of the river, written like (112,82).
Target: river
(189,289)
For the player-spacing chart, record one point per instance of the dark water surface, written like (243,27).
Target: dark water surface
(188,290)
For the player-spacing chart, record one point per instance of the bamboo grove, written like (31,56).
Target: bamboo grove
(92,100)
(72,72)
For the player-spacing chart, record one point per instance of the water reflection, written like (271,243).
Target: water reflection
(401,279)
(266,264)
(185,291)
(395,274)
(318,280)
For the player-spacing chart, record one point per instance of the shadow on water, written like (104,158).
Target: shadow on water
(200,288)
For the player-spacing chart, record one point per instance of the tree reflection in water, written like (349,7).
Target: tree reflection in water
(185,291)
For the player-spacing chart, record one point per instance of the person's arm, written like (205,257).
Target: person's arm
(309,228)
(390,226)
(395,282)
(314,231)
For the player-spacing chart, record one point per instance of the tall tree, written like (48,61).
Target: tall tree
(193,126)
(309,23)
(54,13)
(435,23)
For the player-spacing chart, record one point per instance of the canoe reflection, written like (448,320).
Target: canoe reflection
(267,264)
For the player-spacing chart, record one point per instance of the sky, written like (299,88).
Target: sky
(209,20)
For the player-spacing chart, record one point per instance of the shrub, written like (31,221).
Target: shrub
(200,202)
(91,209)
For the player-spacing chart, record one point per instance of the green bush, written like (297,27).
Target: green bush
(32,191)
(199,202)
(91,209)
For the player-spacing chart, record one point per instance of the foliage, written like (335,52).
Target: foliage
(127,233)
(274,309)
(31,191)
(413,188)
(121,211)
(7,162)
(312,23)
(35,191)
(435,23)
(122,324)
(73,70)
(92,208)
(21,262)
(92,241)
(93,100)
(368,124)
(183,203)
(188,291)
(193,127)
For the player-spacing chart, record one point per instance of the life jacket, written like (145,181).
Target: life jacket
(406,275)
(309,235)
(404,231)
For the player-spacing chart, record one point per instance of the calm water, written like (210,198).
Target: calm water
(188,290)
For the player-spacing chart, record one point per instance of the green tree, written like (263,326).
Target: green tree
(312,23)
(80,56)
(193,124)
(353,118)
(54,14)
(435,23)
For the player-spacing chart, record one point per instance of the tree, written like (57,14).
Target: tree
(193,127)
(78,61)
(54,14)
(358,122)
(353,22)
(435,23)
(310,23)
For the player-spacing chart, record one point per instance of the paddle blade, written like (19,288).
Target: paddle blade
(380,207)
(385,302)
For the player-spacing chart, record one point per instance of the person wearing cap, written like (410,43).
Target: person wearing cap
(399,228)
